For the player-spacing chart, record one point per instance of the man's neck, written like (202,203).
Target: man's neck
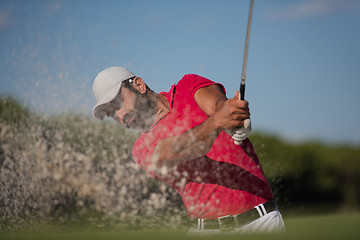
(163,106)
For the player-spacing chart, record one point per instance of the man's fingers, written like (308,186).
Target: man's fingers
(239,103)
(247,123)
(236,123)
(241,133)
(234,112)
(237,95)
(240,114)
(241,111)
(243,104)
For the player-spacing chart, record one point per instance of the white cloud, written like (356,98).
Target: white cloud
(309,8)
(5,19)
(53,7)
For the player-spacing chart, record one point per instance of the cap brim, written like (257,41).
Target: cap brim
(99,112)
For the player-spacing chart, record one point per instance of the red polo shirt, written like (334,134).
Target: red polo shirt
(227,181)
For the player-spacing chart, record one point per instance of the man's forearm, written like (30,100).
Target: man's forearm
(192,144)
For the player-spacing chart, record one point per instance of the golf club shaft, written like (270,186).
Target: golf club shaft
(243,76)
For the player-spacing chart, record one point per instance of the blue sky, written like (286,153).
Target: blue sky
(303,65)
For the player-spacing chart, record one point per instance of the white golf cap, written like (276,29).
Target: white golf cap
(106,86)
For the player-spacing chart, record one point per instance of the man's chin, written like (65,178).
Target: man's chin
(139,127)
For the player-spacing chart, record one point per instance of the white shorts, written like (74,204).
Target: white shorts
(271,222)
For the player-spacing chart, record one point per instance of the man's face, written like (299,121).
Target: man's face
(133,110)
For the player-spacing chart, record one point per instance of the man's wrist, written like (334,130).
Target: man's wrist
(215,124)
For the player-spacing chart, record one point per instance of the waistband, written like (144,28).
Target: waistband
(233,221)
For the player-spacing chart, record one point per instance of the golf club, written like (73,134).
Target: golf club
(243,76)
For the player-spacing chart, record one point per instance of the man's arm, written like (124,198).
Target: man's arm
(223,114)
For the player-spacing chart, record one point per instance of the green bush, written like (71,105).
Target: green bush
(69,167)
(12,112)
(310,171)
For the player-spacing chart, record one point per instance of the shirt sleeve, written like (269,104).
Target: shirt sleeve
(196,82)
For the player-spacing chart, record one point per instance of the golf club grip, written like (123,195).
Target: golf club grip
(242,91)
(242,97)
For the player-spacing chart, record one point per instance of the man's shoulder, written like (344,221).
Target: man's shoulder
(186,78)
(192,80)
(191,75)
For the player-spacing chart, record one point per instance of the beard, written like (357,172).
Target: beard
(144,113)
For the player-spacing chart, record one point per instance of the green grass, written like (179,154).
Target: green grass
(324,227)
(304,228)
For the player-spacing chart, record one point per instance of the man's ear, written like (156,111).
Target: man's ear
(139,85)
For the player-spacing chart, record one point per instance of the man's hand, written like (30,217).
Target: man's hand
(241,133)
(232,113)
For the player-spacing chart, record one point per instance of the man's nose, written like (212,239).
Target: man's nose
(119,116)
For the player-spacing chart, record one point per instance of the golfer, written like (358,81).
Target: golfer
(187,141)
